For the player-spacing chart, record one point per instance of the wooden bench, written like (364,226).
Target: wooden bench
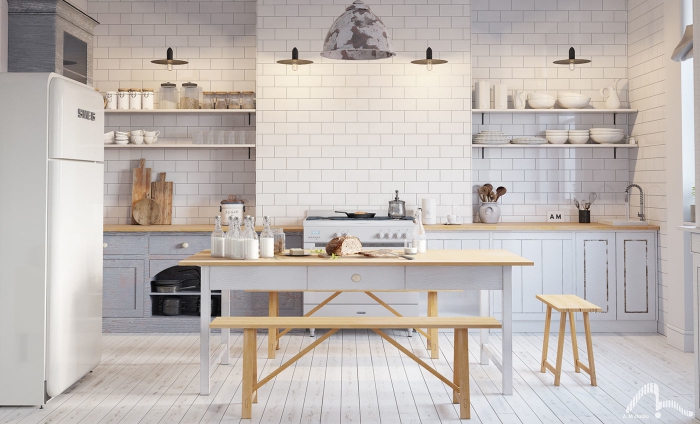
(568,304)
(250,325)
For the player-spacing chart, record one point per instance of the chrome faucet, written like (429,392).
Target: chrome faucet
(641,201)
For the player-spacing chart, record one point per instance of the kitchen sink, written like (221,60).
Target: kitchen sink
(622,222)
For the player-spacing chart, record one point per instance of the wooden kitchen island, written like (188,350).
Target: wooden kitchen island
(435,270)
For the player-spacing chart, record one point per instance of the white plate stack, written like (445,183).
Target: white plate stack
(607,135)
(557,136)
(491,137)
(529,140)
(578,136)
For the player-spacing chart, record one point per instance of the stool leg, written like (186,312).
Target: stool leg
(463,375)
(248,372)
(433,332)
(272,332)
(455,393)
(255,367)
(574,343)
(589,348)
(560,348)
(545,343)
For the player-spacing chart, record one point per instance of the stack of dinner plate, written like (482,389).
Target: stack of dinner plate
(491,137)
(578,136)
(607,135)
(529,140)
(557,136)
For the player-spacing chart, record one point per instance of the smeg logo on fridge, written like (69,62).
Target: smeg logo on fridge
(86,114)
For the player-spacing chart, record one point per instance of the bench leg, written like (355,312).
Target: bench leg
(545,343)
(249,372)
(560,348)
(589,348)
(273,311)
(225,332)
(574,343)
(462,358)
(455,393)
(433,332)
(484,311)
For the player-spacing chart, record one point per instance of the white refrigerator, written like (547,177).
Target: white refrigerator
(51,197)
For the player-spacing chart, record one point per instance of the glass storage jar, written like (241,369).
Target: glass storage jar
(208,100)
(189,97)
(221,100)
(247,100)
(278,233)
(169,97)
(123,98)
(135,98)
(234,100)
(147,98)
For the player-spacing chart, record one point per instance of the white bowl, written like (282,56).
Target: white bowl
(541,103)
(574,102)
(121,141)
(539,96)
(605,130)
(607,138)
(556,131)
(557,139)
(578,139)
(571,95)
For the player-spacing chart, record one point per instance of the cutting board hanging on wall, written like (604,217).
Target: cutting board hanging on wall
(141,187)
(162,193)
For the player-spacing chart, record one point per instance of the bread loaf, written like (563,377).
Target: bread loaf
(345,245)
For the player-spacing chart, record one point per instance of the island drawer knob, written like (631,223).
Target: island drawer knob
(356,278)
(104,245)
(185,245)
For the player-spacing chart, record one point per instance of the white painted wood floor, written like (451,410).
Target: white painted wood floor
(356,377)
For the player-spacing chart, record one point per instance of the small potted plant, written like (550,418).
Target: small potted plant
(489,211)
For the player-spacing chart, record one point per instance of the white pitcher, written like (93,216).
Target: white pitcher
(612,100)
(519,99)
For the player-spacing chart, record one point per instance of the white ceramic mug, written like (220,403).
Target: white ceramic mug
(453,219)
(136,133)
(151,133)
(150,140)
(137,139)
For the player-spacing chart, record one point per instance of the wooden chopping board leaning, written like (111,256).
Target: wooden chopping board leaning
(162,193)
(141,186)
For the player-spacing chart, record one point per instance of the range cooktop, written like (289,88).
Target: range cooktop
(345,218)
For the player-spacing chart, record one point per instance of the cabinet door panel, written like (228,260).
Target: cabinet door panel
(636,276)
(123,286)
(595,272)
(532,276)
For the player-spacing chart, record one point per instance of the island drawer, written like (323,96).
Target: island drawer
(124,244)
(183,245)
(356,278)
(360,298)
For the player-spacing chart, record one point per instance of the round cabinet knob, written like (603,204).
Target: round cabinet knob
(104,245)
(356,278)
(185,245)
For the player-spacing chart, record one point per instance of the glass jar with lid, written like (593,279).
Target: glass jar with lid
(247,99)
(279,236)
(189,97)
(147,98)
(208,100)
(221,99)
(233,100)
(169,97)
(123,98)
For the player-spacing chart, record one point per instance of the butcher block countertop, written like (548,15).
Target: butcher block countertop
(504,226)
(539,226)
(479,257)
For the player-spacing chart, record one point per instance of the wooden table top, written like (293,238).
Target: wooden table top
(480,257)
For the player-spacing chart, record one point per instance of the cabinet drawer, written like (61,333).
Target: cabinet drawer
(695,243)
(124,245)
(356,278)
(354,298)
(362,310)
(183,245)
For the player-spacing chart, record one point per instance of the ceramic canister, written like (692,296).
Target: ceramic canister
(483,95)
(489,213)
(500,96)
(429,211)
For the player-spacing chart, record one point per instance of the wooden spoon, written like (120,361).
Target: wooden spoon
(483,193)
(500,191)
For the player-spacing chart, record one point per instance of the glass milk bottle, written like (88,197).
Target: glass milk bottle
(252,244)
(217,240)
(419,239)
(232,236)
(267,240)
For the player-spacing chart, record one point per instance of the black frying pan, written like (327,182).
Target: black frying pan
(358,214)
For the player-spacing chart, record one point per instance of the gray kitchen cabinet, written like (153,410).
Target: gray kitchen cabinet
(123,287)
(596,272)
(636,275)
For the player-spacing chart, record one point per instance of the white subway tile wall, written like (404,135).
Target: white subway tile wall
(515,43)
(346,134)
(218,39)
(647,164)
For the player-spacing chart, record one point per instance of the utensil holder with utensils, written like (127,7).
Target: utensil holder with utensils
(584,216)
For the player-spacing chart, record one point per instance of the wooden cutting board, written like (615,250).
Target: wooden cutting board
(146,212)
(141,187)
(162,193)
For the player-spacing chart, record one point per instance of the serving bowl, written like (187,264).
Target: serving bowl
(578,139)
(556,139)
(539,96)
(607,138)
(541,103)
(574,102)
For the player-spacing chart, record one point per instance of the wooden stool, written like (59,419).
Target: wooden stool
(568,304)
